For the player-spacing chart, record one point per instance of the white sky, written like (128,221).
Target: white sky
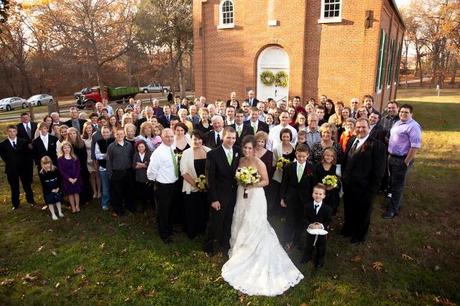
(400,3)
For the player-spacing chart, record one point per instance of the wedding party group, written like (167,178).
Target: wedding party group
(220,170)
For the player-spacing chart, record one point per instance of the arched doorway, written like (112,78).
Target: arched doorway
(273,65)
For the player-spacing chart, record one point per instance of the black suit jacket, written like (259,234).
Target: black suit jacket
(378,133)
(221,176)
(261,126)
(254,102)
(210,140)
(294,192)
(22,133)
(165,122)
(39,150)
(14,157)
(247,130)
(324,215)
(81,121)
(365,168)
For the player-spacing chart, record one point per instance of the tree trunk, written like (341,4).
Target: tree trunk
(453,73)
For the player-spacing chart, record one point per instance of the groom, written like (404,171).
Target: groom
(221,165)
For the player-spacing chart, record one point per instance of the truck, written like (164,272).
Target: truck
(89,96)
(155,87)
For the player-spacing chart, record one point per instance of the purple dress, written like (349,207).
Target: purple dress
(70,168)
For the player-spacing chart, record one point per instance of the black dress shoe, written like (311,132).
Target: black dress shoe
(388,215)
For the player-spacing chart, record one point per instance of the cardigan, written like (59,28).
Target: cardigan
(187,165)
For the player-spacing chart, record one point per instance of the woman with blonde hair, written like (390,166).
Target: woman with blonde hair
(146,134)
(127,118)
(69,168)
(328,132)
(182,114)
(90,164)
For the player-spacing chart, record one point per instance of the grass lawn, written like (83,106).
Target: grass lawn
(94,259)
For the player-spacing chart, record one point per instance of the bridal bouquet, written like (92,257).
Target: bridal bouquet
(201,183)
(330,181)
(281,162)
(247,176)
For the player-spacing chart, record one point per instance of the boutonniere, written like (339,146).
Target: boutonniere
(309,172)
(364,147)
(236,154)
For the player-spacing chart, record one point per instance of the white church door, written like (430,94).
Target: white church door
(273,74)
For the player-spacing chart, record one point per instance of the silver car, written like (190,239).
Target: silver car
(12,103)
(41,99)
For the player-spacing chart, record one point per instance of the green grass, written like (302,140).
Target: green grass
(123,262)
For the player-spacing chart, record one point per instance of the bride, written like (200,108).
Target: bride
(258,264)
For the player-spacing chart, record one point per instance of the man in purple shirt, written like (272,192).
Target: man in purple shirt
(405,140)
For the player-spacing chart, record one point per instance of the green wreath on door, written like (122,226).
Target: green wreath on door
(268,78)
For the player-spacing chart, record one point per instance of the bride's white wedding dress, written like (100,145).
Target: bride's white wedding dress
(258,264)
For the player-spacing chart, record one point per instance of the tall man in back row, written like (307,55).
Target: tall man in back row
(405,140)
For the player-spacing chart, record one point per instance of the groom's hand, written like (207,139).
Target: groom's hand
(283,204)
(215,205)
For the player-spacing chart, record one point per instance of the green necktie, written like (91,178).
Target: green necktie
(229,158)
(174,160)
(254,127)
(238,130)
(299,172)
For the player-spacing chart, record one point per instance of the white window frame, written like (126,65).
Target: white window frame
(223,25)
(380,81)
(323,19)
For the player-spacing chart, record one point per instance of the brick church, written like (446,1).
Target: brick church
(279,48)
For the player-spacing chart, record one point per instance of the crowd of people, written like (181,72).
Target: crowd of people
(140,156)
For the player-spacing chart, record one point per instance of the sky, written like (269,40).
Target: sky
(401,3)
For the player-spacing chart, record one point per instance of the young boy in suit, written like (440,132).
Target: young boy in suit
(296,188)
(318,216)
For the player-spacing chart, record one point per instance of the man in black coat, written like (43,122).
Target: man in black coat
(255,124)
(44,145)
(362,172)
(213,138)
(221,165)
(26,130)
(74,121)
(14,151)
(241,129)
(252,100)
(376,130)
(167,117)
(319,215)
(296,189)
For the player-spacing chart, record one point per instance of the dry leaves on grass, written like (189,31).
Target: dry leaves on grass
(79,270)
(357,258)
(407,257)
(147,293)
(377,266)
(7,282)
(443,301)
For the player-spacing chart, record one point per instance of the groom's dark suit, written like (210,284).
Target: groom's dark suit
(362,172)
(221,187)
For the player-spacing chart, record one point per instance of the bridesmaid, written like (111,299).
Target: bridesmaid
(79,149)
(325,168)
(69,168)
(266,156)
(192,165)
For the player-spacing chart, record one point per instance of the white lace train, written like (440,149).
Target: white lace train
(258,264)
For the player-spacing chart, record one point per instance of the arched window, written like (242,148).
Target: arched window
(226,12)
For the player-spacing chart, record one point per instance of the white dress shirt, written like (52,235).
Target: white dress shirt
(45,140)
(14,140)
(221,133)
(318,208)
(228,151)
(161,168)
(361,141)
(274,135)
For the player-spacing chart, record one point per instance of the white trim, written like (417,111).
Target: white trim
(221,24)
(336,19)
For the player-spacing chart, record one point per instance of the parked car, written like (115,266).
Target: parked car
(12,103)
(88,97)
(155,87)
(41,99)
